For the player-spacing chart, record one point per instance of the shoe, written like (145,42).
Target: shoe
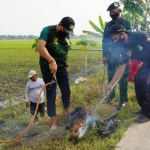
(141,119)
(139,112)
(106,101)
(118,107)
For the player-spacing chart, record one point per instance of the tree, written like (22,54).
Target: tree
(100,29)
(138,13)
(84,43)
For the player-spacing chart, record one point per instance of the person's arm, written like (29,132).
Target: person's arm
(27,96)
(119,73)
(44,52)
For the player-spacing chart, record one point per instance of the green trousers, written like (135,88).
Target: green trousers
(113,63)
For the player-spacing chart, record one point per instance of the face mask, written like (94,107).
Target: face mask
(114,16)
(62,34)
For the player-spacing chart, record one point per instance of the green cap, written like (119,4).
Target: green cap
(113,6)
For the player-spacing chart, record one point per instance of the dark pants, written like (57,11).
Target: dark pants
(113,65)
(142,89)
(63,82)
(40,108)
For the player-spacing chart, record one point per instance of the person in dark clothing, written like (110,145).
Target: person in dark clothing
(53,47)
(134,45)
(111,54)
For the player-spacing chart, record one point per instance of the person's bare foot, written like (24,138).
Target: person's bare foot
(67,111)
(53,123)
(53,127)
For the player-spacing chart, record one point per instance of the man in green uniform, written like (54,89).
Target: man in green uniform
(53,49)
(134,45)
(111,53)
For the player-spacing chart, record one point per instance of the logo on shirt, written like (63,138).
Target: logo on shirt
(55,41)
(148,39)
(129,53)
(140,47)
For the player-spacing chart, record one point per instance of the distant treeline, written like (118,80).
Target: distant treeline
(13,37)
(17,37)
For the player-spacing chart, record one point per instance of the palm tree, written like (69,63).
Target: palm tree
(100,29)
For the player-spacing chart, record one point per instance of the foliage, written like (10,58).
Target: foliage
(138,13)
(85,42)
(35,44)
(99,30)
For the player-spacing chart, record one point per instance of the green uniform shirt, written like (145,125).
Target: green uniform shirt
(107,41)
(57,47)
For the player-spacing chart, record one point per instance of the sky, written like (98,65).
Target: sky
(26,17)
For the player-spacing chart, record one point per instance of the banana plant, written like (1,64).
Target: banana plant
(99,30)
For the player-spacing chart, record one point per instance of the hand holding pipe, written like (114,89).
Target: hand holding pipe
(108,93)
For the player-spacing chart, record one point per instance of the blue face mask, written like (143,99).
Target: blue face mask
(114,16)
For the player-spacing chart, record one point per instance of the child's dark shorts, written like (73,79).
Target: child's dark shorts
(40,108)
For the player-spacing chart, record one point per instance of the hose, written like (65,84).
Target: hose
(59,94)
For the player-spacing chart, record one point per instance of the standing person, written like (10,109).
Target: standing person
(53,49)
(111,53)
(33,88)
(136,46)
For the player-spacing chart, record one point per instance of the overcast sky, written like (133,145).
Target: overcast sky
(24,17)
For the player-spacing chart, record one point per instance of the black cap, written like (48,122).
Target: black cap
(117,29)
(68,24)
(113,6)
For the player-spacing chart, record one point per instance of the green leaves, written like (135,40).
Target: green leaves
(102,24)
(91,33)
(85,42)
(137,12)
(100,29)
(97,29)
(34,45)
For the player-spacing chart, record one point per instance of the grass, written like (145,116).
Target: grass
(17,58)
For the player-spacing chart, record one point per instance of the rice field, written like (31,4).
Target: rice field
(17,58)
